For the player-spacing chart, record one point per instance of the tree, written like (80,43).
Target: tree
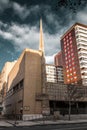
(75,93)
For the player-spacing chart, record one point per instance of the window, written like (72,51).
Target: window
(69,60)
(71,45)
(64,39)
(68,52)
(74,72)
(72,58)
(75,77)
(70,73)
(65,50)
(66,62)
(69,56)
(69,34)
(73,63)
(68,80)
(64,46)
(67,75)
(66,58)
(65,54)
(67,70)
(72,54)
(67,40)
(64,42)
(67,37)
(73,68)
(70,69)
(67,44)
(71,50)
(70,41)
(67,66)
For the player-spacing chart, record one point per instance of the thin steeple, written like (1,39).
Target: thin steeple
(41,44)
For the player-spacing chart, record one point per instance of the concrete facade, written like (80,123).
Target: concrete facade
(54,73)
(74,54)
(3,80)
(4,73)
(24,82)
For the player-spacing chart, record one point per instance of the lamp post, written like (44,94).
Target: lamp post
(69,109)
(69,98)
(15,115)
(21,111)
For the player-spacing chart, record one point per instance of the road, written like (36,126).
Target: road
(82,126)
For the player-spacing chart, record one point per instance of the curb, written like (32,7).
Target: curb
(45,124)
(37,125)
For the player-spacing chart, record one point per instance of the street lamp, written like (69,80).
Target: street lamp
(21,111)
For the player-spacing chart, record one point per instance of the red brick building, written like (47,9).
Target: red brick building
(74,54)
(58,59)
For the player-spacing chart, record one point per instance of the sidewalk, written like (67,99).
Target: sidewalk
(5,124)
(34,123)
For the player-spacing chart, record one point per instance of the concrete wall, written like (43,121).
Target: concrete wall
(32,82)
(14,99)
(28,69)
(17,72)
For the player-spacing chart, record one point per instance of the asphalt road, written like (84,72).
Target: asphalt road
(80,126)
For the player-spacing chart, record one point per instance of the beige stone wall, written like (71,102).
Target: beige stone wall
(17,72)
(14,78)
(4,73)
(4,76)
(28,67)
(32,82)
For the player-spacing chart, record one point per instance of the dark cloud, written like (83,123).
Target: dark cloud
(19,24)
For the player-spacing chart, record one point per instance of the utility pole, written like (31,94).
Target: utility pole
(69,110)
(15,115)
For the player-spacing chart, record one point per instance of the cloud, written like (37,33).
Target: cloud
(4,4)
(24,36)
(23,11)
(81,16)
(20,10)
(52,43)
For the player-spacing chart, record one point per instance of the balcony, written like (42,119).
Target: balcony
(81,47)
(84,76)
(83,62)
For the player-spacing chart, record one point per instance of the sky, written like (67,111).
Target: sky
(19,25)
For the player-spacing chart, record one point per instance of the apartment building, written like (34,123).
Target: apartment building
(54,73)
(74,54)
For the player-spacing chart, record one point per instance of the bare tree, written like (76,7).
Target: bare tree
(75,93)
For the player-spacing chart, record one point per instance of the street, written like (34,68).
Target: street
(82,126)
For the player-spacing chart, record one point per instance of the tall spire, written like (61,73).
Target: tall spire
(41,44)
